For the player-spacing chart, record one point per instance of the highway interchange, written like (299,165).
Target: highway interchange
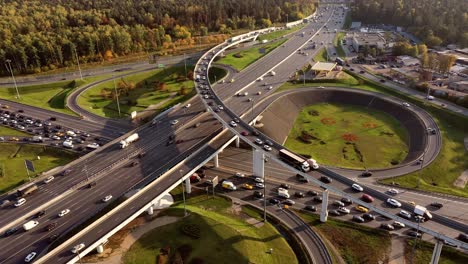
(121,177)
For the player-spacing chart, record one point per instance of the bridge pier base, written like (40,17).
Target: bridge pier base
(324,212)
(258,164)
(436,253)
(216,161)
(100,249)
(188,186)
(150,210)
(237,142)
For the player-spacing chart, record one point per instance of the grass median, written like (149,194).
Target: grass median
(6,131)
(321,55)
(441,174)
(12,168)
(160,88)
(356,243)
(280,33)
(423,253)
(240,60)
(348,136)
(214,232)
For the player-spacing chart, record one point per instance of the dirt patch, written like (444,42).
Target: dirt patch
(369,125)
(349,137)
(328,121)
(461,181)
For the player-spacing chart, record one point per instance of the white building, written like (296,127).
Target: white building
(372,40)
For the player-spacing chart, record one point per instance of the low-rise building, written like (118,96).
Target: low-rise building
(371,40)
(407,60)
(461,86)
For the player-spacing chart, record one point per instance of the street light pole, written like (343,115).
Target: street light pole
(415,241)
(117,95)
(13,76)
(78,63)
(183,192)
(253,117)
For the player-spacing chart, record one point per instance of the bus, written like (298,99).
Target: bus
(340,61)
(295,160)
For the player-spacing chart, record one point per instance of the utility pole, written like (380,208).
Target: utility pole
(13,76)
(116,94)
(78,63)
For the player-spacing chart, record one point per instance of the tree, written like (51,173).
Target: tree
(433,41)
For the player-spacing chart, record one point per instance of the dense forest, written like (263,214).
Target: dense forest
(436,22)
(40,35)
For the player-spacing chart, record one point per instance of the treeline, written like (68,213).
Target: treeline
(435,22)
(40,35)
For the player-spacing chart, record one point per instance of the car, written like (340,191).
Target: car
(405,214)
(437,205)
(53,118)
(431,131)
(255,133)
(430,97)
(270,87)
(267,148)
(346,201)
(343,210)
(258,141)
(64,213)
(357,187)
(358,219)
(325,179)
(367,198)
(414,234)
(317,199)
(274,201)
(187,105)
(51,226)
(312,193)
(10,231)
(388,227)
(174,122)
(14,139)
(20,202)
(405,104)
(259,185)
(398,224)
(338,203)
(247,186)
(334,212)
(107,198)
(412,203)
(366,173)
(244,133)
(66,172)
(368,216)
(289,202)
(258,194)
(232,123)
(285,186)
(258,179)
(134,163)
(236,120)
(362,72)
(393,191)
(259,92)
(220,107)
(30,257)
(463,237)
(419,219)
(55,137)
(40,214)
(362,209)
(76,249)
(240,175)
(299,194)
(393,202)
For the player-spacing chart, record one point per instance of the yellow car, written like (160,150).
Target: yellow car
(247,186)
(14,139)
(362,209)
(412,203)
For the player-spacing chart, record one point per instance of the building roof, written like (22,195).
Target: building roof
(368,38)
(355,25)
(324,66)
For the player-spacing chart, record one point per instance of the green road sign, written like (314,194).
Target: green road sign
(160,65)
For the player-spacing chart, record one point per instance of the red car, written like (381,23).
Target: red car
(244,133)
(367,198)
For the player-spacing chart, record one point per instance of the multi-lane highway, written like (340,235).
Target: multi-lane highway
(160,156)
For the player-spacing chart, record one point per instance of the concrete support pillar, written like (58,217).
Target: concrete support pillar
(100,249)
(324,212)
(237,142)
(150,210)
(436,253)
(258,163)
(216,161)
(188,186)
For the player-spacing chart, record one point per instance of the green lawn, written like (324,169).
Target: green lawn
(356,243)
(142,90)
(12,156)
(321,55)
(224,237)
(337,43)
(6,131)
(216,74)
(450,163)
(423,254)
(49,96)
(348,136)
(242,59)
(279,33)
(348,21)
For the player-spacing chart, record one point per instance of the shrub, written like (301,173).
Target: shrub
(191,230)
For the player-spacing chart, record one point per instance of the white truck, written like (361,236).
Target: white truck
(30,225)
(283,193)
(313,163)
(228,185)
(132,138)
(422,211)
